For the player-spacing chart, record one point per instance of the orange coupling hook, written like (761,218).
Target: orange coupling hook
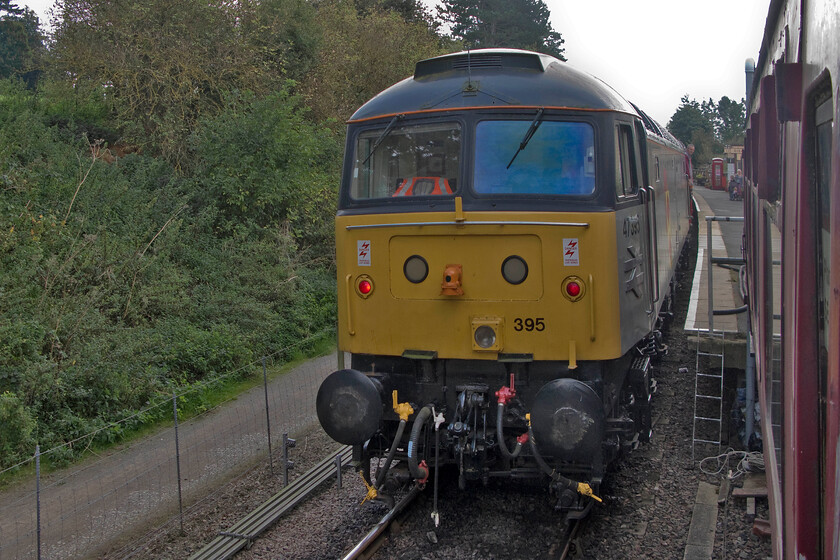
(451,285)
(403,410)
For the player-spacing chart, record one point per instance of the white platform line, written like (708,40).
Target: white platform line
(691,316)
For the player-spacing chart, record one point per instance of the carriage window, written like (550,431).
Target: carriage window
(821,172)
(407,161)
(823,181)
(558,158)
(626,164)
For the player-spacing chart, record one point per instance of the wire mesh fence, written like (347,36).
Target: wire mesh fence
(81,511)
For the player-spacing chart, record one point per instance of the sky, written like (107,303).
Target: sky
(653,52)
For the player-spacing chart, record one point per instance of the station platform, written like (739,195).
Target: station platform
(725,242)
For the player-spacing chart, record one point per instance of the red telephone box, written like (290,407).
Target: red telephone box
(718,177)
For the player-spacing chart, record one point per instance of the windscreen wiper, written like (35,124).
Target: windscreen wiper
(382,136)
(535,124)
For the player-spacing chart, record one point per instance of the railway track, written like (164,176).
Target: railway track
(371,542)
(566,546)
(243,533)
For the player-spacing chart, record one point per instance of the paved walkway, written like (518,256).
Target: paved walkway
(726,242)
(86,508)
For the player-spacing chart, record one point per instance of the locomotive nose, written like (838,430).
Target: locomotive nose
(349,406)
(568,420)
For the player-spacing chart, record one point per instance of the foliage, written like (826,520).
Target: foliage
(731,120)
(168,64)
(412,11)
(708,125)
(21,43)
(283,35)
(16,427)
(123,281)
(521,24)
(264,167)
(361,56)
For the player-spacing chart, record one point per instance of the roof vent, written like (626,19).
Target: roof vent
(477,60)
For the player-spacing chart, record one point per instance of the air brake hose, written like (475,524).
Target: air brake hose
(562,481)
(419,472)
(380,476)
(507,454)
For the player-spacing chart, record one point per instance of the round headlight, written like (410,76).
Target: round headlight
(416,269)
(515,269)
(485,336)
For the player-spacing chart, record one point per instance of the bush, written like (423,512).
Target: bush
(123,282)
(16,430)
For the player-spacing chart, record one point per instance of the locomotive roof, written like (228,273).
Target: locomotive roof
(484,77)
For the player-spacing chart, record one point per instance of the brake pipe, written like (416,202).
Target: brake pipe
(579,487)
(505,395)
(403,410)
(419,471)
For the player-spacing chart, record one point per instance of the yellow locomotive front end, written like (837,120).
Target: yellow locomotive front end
(479,285)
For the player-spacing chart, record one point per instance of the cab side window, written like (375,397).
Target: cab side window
(627,162)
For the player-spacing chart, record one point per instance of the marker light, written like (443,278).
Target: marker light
(573,288)
(364,285)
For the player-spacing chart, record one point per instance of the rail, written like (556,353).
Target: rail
(240,535)
(361,549)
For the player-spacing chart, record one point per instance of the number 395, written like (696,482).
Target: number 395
(529,324)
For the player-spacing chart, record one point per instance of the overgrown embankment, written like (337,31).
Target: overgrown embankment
(121,281)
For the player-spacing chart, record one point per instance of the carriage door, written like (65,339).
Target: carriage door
(634,216)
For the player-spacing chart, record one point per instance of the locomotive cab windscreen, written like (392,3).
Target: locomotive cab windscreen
(517,155)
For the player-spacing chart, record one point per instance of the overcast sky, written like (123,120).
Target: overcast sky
(655,51)
(651,51)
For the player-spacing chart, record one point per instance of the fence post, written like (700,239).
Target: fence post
(288,443)
(338,470)
(178,461)
(267,418)
(38,496)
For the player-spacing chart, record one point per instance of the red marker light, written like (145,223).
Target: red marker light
(573,289)
(365,287)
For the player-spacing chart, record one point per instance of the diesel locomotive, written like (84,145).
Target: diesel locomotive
(507,235)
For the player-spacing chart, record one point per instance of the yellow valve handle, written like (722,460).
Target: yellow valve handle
(586,490)
(371,491)
(403,410)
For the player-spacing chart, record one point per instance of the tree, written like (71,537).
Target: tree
(688,118)
(21,43)
(412,11)
(695,123)
(361,56)
(731,120)
(521,24)
(165,65)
